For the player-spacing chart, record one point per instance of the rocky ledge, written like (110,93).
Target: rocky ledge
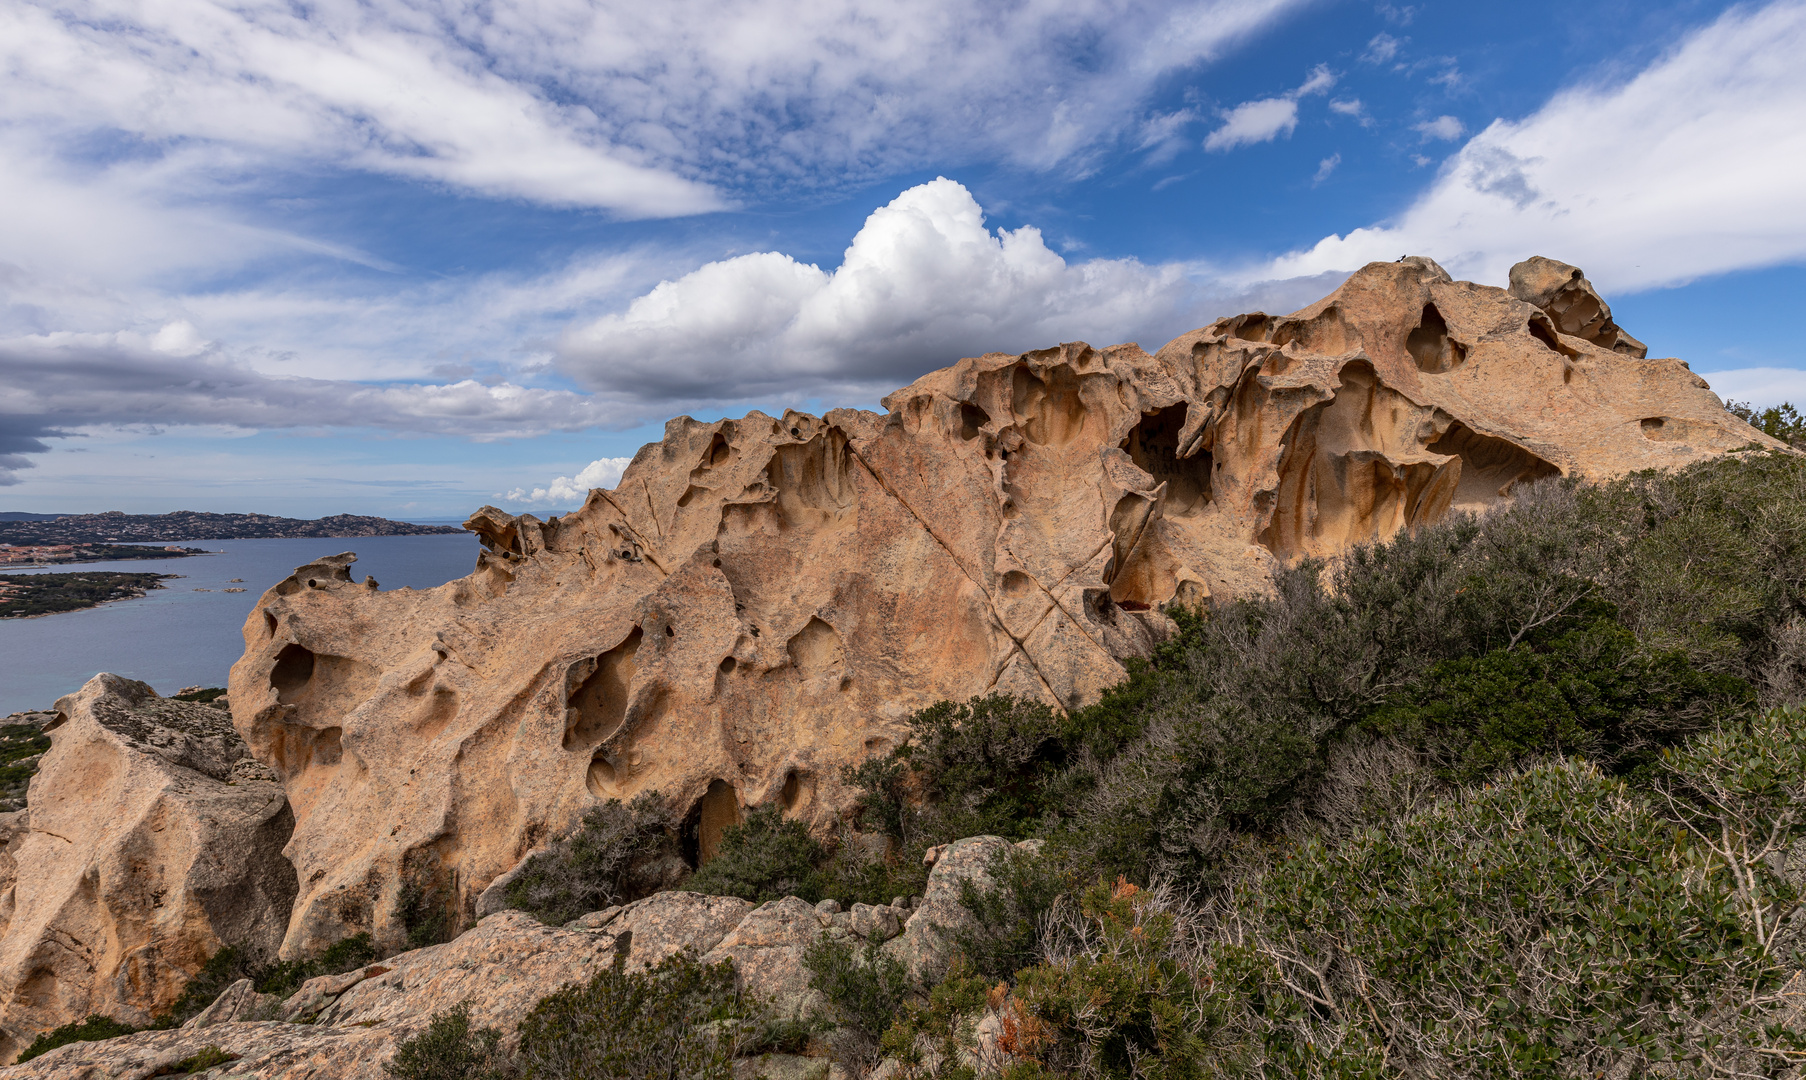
(346,1026)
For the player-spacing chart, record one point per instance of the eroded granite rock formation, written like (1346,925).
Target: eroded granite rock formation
(346,1026)
(151,840)
(763,601)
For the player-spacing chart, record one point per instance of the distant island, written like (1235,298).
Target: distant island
(44,554)
(116,527)
(47,594)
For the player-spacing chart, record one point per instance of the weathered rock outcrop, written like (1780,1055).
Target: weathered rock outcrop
(762,601)
(152,839)
(346,1026)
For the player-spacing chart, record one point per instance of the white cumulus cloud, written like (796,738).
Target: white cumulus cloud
(1691,167)
(572,490)
(923,283)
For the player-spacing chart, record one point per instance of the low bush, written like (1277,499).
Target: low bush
(93,1029)
(679,1018)
(451,1049)
(1010,918)
(765,857)
(1559,923)
(865,990)
(207,1058)
(612,858)
(1124,991)
(286,976)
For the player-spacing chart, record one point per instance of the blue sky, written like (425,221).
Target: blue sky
(408,258)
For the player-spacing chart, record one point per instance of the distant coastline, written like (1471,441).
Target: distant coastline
(116,528)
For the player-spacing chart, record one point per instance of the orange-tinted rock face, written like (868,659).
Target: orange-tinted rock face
(763,601)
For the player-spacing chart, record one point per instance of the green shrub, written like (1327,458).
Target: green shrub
(1590,690)
(207,1058)
(987,758)
(1123,991)
(93,1029)
(765,857)
(678,1019)
(865,990)
(1555,923)
(450,1049)
(1782,421)
(286,976)
(604,862)
(423,915)
(927,1037)
(1011,917)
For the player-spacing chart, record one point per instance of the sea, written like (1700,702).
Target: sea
(189,632)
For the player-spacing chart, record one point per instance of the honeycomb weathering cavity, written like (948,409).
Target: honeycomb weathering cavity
(763,601)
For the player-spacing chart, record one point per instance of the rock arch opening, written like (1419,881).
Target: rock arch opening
(1431,346)
(1153,444)
(293,670)
(704,825)
(1490,467)
(596,708)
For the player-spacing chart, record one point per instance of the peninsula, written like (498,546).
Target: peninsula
(117,527)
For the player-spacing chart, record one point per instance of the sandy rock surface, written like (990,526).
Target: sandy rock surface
(339,1027)
(151,840)
(762,601)
(927,945)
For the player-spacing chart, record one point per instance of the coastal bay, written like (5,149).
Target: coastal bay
(188,633)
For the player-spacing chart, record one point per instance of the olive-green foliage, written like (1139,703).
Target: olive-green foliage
(19,742)
(1782,421)
(864,989)
(598,865)
(987,761)
(286,976)
(211,693)
(765,857)
(927,1037)
(93,1029)
(1560,922)
(451,1049)
(1010,918)
(423,915)
(1589,690)
(1710,560)
(1122,992)
(205,1059)
(679,1020)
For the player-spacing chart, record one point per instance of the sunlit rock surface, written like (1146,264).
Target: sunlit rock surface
(763,601)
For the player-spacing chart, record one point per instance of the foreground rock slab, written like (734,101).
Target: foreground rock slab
(763,601)
(152,839)
(338,1027)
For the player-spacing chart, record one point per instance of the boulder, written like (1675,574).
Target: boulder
(767,950)
(928,942)
(666,923)
(762,601)
(145,849)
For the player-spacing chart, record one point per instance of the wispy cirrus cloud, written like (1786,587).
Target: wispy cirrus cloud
(1622,178)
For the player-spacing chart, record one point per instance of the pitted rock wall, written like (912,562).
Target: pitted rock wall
(151,841)
(763,601)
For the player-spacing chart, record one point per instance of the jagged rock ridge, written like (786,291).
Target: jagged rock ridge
(763,601)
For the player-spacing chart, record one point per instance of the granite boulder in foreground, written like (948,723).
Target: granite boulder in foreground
(151,841)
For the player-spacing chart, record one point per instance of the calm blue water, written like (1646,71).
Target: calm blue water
(174,636)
